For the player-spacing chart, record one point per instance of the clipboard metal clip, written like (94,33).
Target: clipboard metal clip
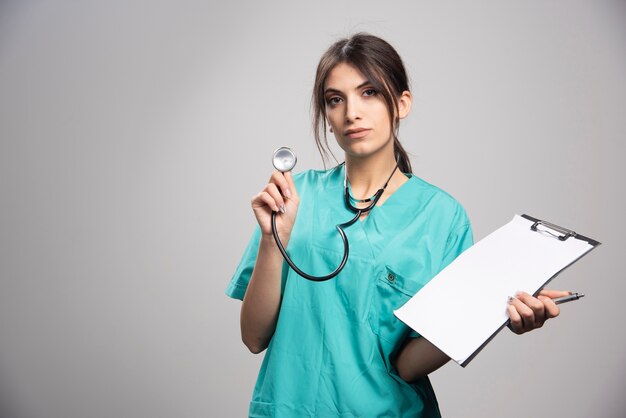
(566,233)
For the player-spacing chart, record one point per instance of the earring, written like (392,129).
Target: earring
(331,130)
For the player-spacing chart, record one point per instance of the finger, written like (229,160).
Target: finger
(292,185)
(552,309)
(516,325)
(535,304)
(553,294)
(527,314)
(281,182)
(264,199)
(273,191)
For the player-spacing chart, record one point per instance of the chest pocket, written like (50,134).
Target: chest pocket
(391,291)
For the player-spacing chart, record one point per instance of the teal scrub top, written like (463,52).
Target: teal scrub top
(331,353)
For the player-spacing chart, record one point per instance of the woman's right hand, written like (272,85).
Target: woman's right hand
(261,303)
(279,193)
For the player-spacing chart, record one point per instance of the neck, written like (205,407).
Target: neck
(367,175)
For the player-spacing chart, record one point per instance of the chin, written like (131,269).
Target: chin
(357,152)
(361,150)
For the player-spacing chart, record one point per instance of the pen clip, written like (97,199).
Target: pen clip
(566,232)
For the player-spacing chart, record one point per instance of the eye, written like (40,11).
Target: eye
(332,101)
(370,92)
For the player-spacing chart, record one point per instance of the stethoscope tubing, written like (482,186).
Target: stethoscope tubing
(284,159)
(342,233)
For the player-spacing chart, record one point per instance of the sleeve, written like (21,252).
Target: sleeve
(239,282)
(459,240)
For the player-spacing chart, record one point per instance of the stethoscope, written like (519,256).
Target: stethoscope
(284,159)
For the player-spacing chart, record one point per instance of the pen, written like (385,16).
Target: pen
(569,298)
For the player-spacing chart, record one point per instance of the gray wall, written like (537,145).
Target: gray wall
(133,136)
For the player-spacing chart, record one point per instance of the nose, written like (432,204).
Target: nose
(353,111)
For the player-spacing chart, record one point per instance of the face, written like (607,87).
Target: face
(357,113)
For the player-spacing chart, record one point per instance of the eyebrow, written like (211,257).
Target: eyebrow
(332,90)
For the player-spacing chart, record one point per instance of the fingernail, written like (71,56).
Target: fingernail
(510,299)
(282,209)
(288,193)
(276,208)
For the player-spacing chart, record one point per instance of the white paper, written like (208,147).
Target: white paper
(465,304)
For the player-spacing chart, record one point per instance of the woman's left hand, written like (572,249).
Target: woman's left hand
(528,313)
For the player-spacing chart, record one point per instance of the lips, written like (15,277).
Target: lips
(356,133)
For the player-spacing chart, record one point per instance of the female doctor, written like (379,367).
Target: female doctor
(334,348)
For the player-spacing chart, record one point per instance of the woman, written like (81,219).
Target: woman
(334,348)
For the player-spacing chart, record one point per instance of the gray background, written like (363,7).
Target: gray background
(133,135)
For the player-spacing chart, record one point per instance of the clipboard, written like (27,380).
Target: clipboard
(465,306)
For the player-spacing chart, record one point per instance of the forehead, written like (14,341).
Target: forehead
(343,77)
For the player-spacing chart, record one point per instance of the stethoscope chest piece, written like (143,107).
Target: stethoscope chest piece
(284,159)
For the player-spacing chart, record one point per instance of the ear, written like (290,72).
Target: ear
(404,104)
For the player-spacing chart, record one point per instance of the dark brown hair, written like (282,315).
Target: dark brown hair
(380,64)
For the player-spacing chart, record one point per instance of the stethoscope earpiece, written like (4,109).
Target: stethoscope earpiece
(284,159)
